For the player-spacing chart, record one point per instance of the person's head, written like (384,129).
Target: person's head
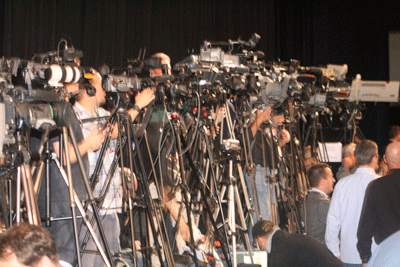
(392,155)
(366,153)
(394,133)
(71,88)
(320,176)
(382,167)
(165,60)
(348,150)
(262,230)
(28,245)
(93,92)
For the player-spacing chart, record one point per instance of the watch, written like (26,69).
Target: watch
(136,107)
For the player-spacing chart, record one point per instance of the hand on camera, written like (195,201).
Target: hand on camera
(143,98)
(263,116)
(219,115)
(284,138)
(95,139)
(278,119)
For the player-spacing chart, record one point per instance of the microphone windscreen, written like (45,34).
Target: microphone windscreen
(260,54)
(104,70)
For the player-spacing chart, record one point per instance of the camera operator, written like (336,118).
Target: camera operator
(88,105)
(159,124)
(262,155)
(61,226)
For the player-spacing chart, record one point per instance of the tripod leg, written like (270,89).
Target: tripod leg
(71,195)
(245,190)
(124,179)
(3,202)
(154,214)
(18,197)
(84,215)
(32,208)
(88,188)
(242,221)
(232,222)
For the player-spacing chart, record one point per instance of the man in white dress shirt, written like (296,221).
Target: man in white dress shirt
(345,208)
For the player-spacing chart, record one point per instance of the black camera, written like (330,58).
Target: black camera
(124,84)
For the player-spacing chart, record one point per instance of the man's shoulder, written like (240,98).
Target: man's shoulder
(355,178)
(295,238)
(315,197)
(385,181)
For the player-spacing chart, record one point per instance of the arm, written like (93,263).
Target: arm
(366,225)
(333,224)
(284,137)
(323,209)
(91,143)
(261,117)
(142,100)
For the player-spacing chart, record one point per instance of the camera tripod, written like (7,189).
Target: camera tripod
(230,151)
(67,138)
(191,180)
(126,155)
(22,198)
(314,132)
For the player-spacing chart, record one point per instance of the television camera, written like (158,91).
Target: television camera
(32,94)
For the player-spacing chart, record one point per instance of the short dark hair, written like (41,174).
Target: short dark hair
(262,228)
(394,131)
(316,172)
(82,90)
(365,151)
(29,243)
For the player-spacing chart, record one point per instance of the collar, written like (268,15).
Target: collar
(84,111)
(313,189)
(367,170)
(364,170)
(79,107)
(269,242)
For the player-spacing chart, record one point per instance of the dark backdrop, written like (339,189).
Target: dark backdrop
(314,32)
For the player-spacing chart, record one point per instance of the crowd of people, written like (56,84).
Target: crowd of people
(347,220)
(363,209)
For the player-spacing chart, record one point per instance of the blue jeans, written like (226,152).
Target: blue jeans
(110,223)
(263,195)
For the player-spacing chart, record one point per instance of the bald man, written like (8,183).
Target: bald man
(380,215)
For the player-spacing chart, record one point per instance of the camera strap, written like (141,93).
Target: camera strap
(146,120)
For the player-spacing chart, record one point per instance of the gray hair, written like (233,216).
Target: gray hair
(365,151)
(349,149)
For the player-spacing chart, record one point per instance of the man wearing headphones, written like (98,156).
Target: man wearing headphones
(88,106)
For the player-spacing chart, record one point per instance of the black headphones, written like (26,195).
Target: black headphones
(90,90)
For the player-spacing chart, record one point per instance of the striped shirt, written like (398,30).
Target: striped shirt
(113,198)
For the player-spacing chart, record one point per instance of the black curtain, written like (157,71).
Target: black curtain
(112,31)
(314,32)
